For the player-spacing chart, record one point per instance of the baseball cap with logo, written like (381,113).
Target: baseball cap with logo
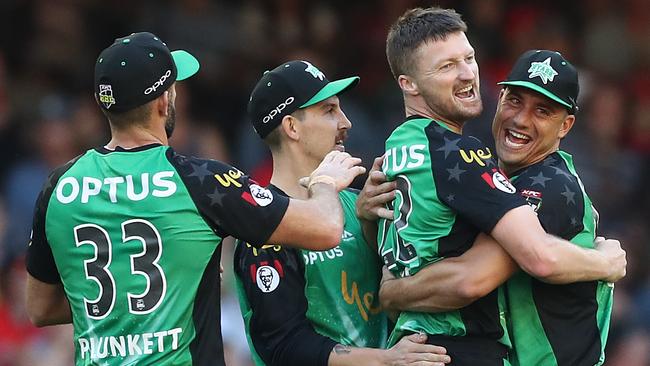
(287,88)
(549,74)
(137,69)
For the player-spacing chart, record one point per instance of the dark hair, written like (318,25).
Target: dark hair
(272,140)
(415,27)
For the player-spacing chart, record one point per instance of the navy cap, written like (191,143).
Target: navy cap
(549,74)
(137,69)
(290,86)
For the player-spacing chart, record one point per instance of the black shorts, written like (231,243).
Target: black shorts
(471,351)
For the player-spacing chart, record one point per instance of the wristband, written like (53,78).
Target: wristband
(321,179)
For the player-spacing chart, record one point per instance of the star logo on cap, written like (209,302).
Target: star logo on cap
(542,69)
(313,70)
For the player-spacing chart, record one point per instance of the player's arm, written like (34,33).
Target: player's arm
(552,259)
(317,223)
(45,299)
(277,324)
(234,205)
(279,330)
(481,194)
(46,303)
(452,283)
(410,350)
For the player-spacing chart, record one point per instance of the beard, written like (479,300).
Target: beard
(448,109)
(170,122)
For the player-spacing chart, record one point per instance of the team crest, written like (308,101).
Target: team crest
(496,180)
(542,69)
(261,195)
(313,70)
(106,95)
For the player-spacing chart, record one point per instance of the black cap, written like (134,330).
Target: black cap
(137,69)
(288,87)
(549,74)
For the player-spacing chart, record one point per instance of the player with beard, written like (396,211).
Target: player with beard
(305,307)
(126,239)
(450,189)
(549,325)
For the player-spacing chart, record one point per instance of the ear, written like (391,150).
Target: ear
(408,85)
(567,125)
(290,127)
(162,104)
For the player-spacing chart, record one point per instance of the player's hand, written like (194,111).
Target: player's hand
(386,275)
(411,350)
(338,168)
(611,249)
(376,193)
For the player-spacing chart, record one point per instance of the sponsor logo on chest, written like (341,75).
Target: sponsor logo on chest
(402,157)
(132,188)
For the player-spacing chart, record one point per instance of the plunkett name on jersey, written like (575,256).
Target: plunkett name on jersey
(129,344)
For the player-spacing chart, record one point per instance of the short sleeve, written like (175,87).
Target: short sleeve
(469,181)
(40,260)
(273,281)
(556,197)
(231,202)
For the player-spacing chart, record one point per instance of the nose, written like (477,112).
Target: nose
(519,118)
(466,71)
(344,122)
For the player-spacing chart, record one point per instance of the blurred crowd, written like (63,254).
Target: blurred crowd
(48,113)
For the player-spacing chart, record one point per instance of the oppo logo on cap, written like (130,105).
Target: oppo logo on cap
(158,83)
(275,111)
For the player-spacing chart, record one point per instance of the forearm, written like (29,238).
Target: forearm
(571,263)
(452,283)
(543,256)
(320,218)
(351,356)
(436,290)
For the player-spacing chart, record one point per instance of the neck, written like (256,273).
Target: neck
(289,165)
(417,106)
(136,135)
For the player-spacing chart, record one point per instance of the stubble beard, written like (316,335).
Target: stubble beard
(449,110)
(170,122)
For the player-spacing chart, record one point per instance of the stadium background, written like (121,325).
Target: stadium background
(48,114)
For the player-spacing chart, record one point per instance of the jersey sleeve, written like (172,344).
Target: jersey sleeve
(40,260)
(556,197)
(231,202)
(469,181)
(272,278)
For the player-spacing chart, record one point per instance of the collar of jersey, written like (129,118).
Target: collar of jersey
(104,150)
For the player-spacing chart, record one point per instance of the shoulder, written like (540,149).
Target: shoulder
(199,165)
(550,181)
(56,174)
(550,176)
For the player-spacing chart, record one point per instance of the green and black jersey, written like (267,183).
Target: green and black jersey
(298,304)
(449,190)
(558,325)
(134,237)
